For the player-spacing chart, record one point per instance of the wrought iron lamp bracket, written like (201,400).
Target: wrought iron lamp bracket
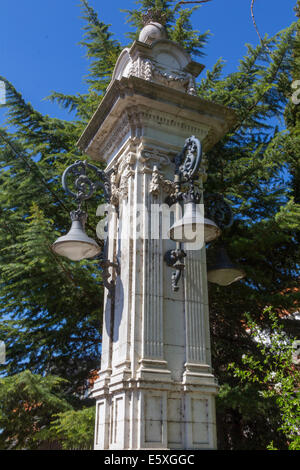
(85,187)
(187,162)
(174,258)
(187,165)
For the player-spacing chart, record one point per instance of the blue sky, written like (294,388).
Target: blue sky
(39,50)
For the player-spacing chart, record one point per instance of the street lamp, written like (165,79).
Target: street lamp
(220,269)
(192,223)
(194,226)
(76,245)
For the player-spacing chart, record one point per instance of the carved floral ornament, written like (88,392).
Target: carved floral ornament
(151,70)
(152,161)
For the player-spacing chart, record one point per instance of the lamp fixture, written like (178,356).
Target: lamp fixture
(222,270)
(76,245)
(193,223)
(193,227)
(196,226)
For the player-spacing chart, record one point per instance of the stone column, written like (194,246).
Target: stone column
(156,389)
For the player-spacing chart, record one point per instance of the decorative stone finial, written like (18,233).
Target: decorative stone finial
(153,29)
(152,32)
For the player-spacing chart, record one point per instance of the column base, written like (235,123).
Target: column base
(153,414)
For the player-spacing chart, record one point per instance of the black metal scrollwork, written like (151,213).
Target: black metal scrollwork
(189,160)
(187,165)
(85,187)
(174,258)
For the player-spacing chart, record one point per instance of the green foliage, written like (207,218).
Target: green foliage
(246,421)
(289,215)
(27,402)
(73,429)
(275,373)
(101,48)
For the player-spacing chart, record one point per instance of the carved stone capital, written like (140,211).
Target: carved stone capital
(121,173)
(154,156)
(158,181)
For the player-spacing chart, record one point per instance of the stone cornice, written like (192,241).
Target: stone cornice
(133,91)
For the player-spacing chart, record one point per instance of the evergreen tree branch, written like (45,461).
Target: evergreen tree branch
(269,76)
(32,167)
(189,2)
(256,28)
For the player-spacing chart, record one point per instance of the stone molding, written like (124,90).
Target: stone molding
(164,107)
(133,121)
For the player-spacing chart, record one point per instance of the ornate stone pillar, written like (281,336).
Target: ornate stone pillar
(156,388)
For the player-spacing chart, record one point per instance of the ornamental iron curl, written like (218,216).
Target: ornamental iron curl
(85,186)
(174,258)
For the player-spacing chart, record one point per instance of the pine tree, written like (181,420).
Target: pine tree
(51,308)
(27,403)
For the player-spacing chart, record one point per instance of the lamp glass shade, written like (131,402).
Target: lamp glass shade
(223,272)
(225,276)
(193,227)
(76,245)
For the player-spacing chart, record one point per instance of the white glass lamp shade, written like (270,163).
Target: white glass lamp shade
(193,227)
(76,245)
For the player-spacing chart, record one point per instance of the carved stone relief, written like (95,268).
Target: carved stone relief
(120,175)
(150,70)
(159,181)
